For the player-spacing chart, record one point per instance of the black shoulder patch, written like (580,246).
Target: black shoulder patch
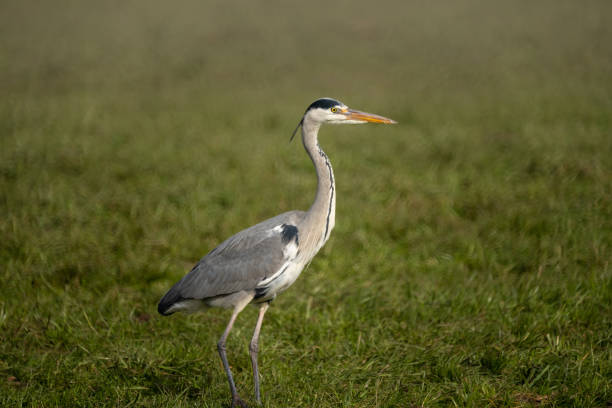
(324,103)
(289,233)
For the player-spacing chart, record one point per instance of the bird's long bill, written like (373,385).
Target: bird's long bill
(367,117)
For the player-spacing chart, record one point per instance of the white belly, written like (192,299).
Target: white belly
(297,260)
(281,280)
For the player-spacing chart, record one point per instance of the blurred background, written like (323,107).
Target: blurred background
(470,261)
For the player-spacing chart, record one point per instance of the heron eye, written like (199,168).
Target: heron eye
(334,109)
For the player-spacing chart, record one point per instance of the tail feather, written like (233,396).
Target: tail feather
(169,300)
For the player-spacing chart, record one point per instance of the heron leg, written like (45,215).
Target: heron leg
(236,401)
(254,348)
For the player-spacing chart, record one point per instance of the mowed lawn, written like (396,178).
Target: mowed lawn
(470,264)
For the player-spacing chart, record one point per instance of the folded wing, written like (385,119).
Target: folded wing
(241,262)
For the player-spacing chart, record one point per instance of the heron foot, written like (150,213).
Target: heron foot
(238,403)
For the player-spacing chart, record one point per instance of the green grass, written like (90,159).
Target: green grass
(470,264)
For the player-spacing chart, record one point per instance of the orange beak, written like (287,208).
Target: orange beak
(367,117)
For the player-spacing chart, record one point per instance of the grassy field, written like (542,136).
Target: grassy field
(470,264)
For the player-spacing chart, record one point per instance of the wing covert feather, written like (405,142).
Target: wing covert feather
(240,262)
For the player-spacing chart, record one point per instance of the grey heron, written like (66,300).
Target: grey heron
(259,262)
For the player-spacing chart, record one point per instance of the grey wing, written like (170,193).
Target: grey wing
(240,262)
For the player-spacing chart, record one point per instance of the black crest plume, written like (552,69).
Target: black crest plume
(296,129)
(323,103)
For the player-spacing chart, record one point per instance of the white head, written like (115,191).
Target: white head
(328,110)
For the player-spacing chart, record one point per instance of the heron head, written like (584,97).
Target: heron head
(328,110)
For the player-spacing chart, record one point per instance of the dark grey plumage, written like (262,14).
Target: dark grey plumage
(238,263)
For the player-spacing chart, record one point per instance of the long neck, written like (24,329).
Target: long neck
(320,218)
